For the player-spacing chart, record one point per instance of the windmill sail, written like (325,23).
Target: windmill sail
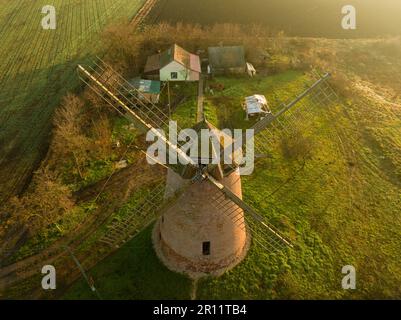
(294,115)
(124,91)
(123,97)
(291,116)
(263,232)
(147,209)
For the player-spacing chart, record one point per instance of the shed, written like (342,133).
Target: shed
(227,60)
(256,105)
(149,89)
(174,64)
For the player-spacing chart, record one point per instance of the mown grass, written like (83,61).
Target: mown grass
(340,207)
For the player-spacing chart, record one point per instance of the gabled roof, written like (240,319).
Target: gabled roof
(227,57)
(174,53)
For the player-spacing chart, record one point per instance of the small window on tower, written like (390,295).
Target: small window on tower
(174,75)
(206,248)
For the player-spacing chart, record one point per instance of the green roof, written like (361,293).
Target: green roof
(146,86)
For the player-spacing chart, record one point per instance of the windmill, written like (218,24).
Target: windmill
(203,225)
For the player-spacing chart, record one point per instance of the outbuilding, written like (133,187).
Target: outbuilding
(149,90)
(174,64)
(229,60)
(256,105)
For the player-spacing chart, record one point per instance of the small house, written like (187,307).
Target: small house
(149,90)
(174,64)
(256,105)
(229,60)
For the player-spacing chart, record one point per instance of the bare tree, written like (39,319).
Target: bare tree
(45,203)
(69,138)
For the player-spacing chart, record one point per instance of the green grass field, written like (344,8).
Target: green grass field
(342,208)
(37,68)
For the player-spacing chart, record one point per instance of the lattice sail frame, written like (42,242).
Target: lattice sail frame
(294,114)
(127,100)
(290,114)
(318,94)
(245,217)
(124,91)
(145,212)
(148,209)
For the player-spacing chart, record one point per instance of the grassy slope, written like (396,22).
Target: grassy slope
(343,208)
(37,69)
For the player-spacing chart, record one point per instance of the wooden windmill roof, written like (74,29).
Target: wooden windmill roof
(217,135)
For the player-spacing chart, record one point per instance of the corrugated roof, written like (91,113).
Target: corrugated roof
(195,63)
(256,104)
(175,53)
(227,57)
(146,86)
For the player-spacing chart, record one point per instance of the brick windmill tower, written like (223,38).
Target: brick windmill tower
(202,224)
(193,235)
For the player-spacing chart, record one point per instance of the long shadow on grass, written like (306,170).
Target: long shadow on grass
(26,122)
(133,273)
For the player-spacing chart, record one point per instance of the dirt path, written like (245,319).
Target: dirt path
(143,13)
(200,114)
(194,289)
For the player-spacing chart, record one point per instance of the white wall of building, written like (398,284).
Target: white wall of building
(183,74)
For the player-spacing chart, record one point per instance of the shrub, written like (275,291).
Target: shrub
(46,201)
